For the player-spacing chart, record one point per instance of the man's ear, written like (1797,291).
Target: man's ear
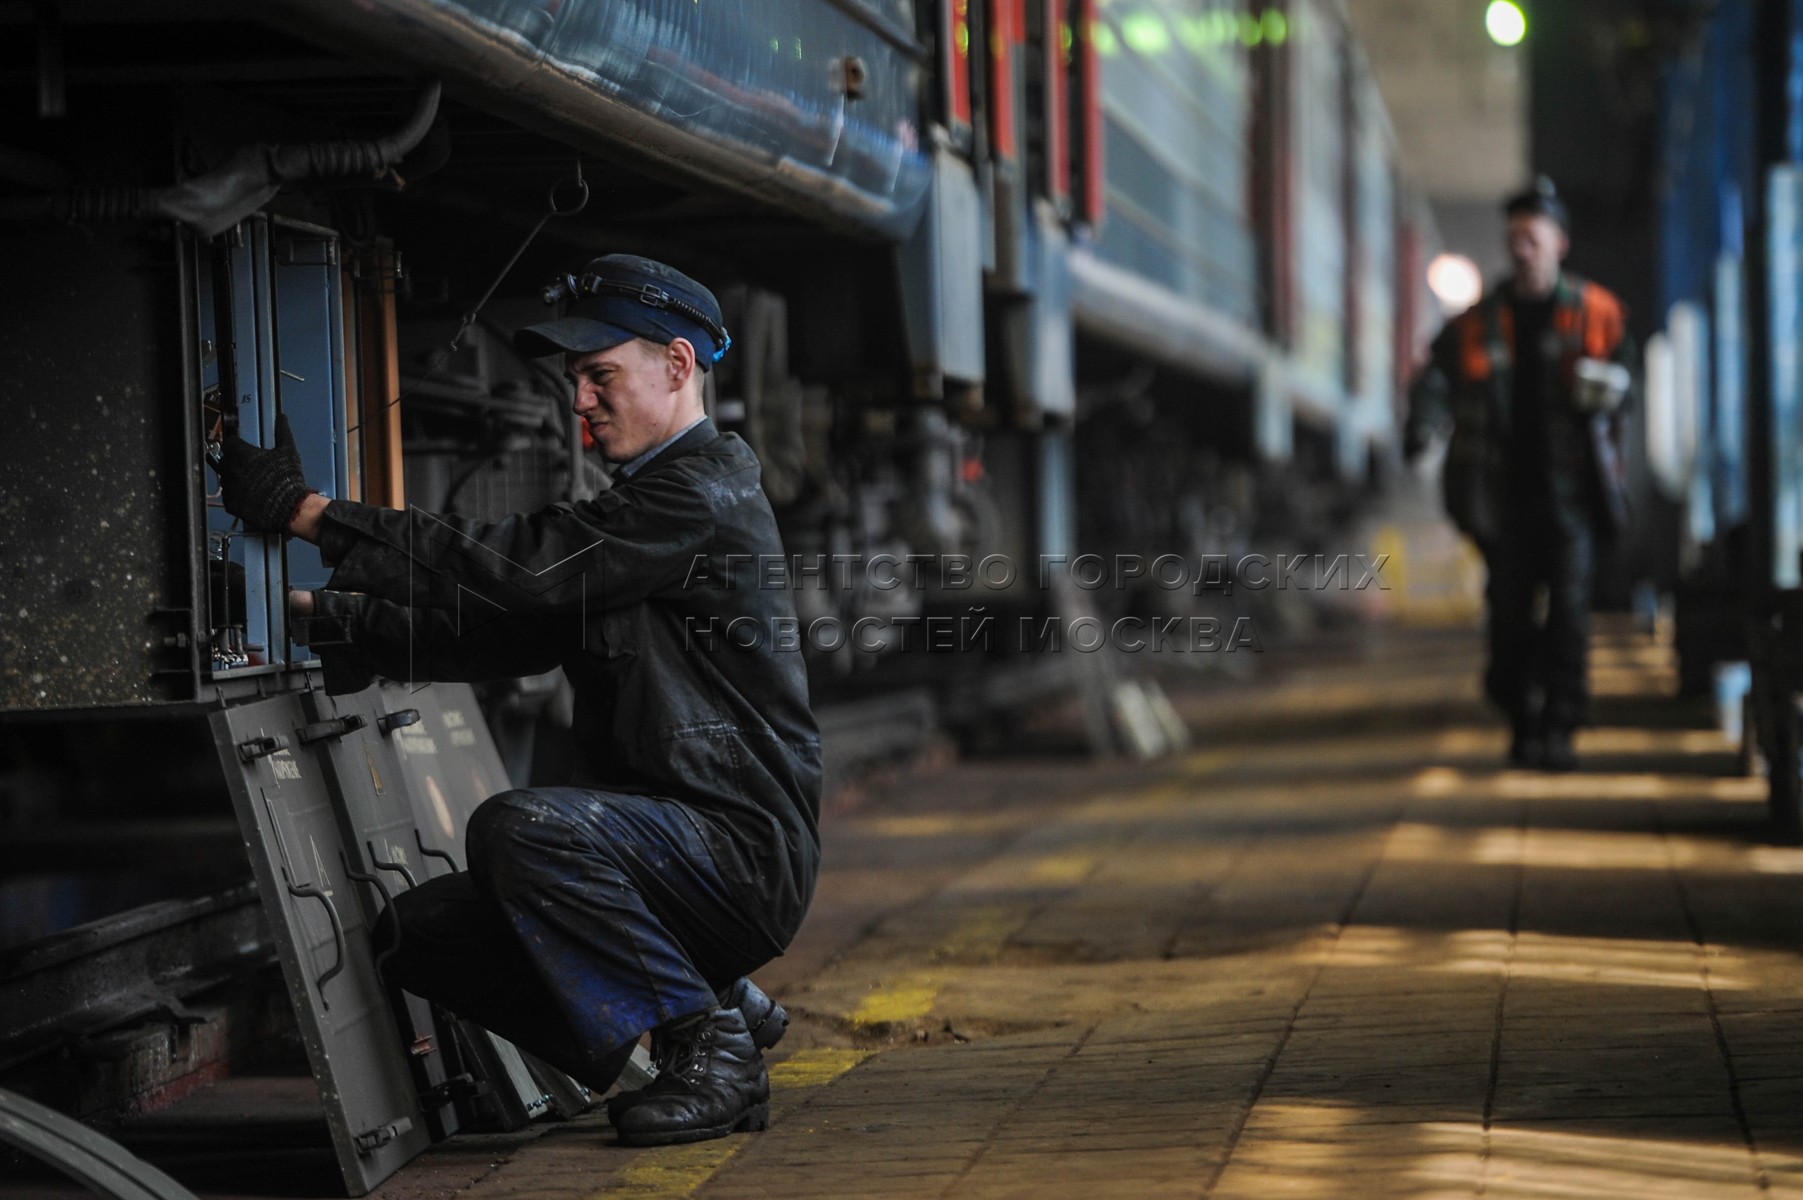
(679,361)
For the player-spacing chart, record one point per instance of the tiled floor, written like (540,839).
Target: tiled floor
(1335,951)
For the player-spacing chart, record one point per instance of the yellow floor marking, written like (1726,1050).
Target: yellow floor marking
(1061,869)
(1206,762)
(673,1172)
(907,997)
(812,1068)
(982,933)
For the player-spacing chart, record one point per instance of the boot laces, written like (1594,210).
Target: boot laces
(683,1055)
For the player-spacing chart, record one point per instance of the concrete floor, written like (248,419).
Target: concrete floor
(1334,952)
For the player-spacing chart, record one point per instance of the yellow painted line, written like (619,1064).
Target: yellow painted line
(1206,762)
(814,1068)
(1061,869)
(908,997)
(671,1172)
(982,932)
(674,1172)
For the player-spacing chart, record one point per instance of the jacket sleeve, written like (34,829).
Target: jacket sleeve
(1430,396)
(369,637)
(1627,354)
(623,546)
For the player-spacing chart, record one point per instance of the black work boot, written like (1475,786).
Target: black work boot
(764,1017)
(710,1082)
(1558,754)
(1527,749)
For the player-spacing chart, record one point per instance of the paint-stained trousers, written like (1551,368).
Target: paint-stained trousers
(584,918)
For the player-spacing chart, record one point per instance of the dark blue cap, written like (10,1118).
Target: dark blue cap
(1542,200)
(621,297)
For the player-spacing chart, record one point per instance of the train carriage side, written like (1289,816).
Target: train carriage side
(1256,288)
(957,240)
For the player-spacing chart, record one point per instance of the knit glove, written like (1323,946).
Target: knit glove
(262,488)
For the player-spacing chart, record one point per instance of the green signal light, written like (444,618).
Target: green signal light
(1506,23)
(1146,33)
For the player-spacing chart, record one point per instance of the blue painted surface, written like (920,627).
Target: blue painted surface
(1707,168)
(757,76)
(309,380)
(1785,198)
(246,329)
(1176,138)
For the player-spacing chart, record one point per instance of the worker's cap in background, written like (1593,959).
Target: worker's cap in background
(1542,200)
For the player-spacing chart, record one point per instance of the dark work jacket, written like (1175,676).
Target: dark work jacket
(631,594)
(1467,384)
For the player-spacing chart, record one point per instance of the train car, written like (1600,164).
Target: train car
(1697,363)
(1723,385)
(1007,279)
(1251,306)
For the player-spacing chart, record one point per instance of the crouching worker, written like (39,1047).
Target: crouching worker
(640,896)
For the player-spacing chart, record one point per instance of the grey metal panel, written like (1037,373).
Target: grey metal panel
(448,766)
(1122,307)
(564,1097)
(449,763)
(517,1097)
(297,851)
(1319,169)
(382,850)
(941,274)
(1376,223)
(1049,372)
(744,94)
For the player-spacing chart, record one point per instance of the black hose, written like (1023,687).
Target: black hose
(248,179)
(346,160)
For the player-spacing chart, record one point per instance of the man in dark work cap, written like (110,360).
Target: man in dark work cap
(1533,383)
(684,858)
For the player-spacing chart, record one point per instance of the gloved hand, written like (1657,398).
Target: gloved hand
(262,487)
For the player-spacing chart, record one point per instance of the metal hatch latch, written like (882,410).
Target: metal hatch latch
(374,1139)
(389,722)
(332,730)
(261,747)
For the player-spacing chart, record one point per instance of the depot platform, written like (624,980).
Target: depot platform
(1335,951)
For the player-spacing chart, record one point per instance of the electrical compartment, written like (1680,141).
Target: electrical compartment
(128,585)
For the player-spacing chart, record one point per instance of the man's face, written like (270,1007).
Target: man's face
(631,397)
(1536,246)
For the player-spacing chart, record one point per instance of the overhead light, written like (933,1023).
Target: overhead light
(1506,23)
(1455,281)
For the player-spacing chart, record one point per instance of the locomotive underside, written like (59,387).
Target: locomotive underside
(374,307)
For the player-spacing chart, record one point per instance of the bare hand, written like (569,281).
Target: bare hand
(300,603)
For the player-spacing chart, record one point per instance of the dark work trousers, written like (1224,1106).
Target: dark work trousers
(1537,668)
(584,919)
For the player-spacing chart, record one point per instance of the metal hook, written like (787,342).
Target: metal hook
(582,191)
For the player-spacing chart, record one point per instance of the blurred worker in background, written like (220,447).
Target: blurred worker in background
(1533,383)
(684,858)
